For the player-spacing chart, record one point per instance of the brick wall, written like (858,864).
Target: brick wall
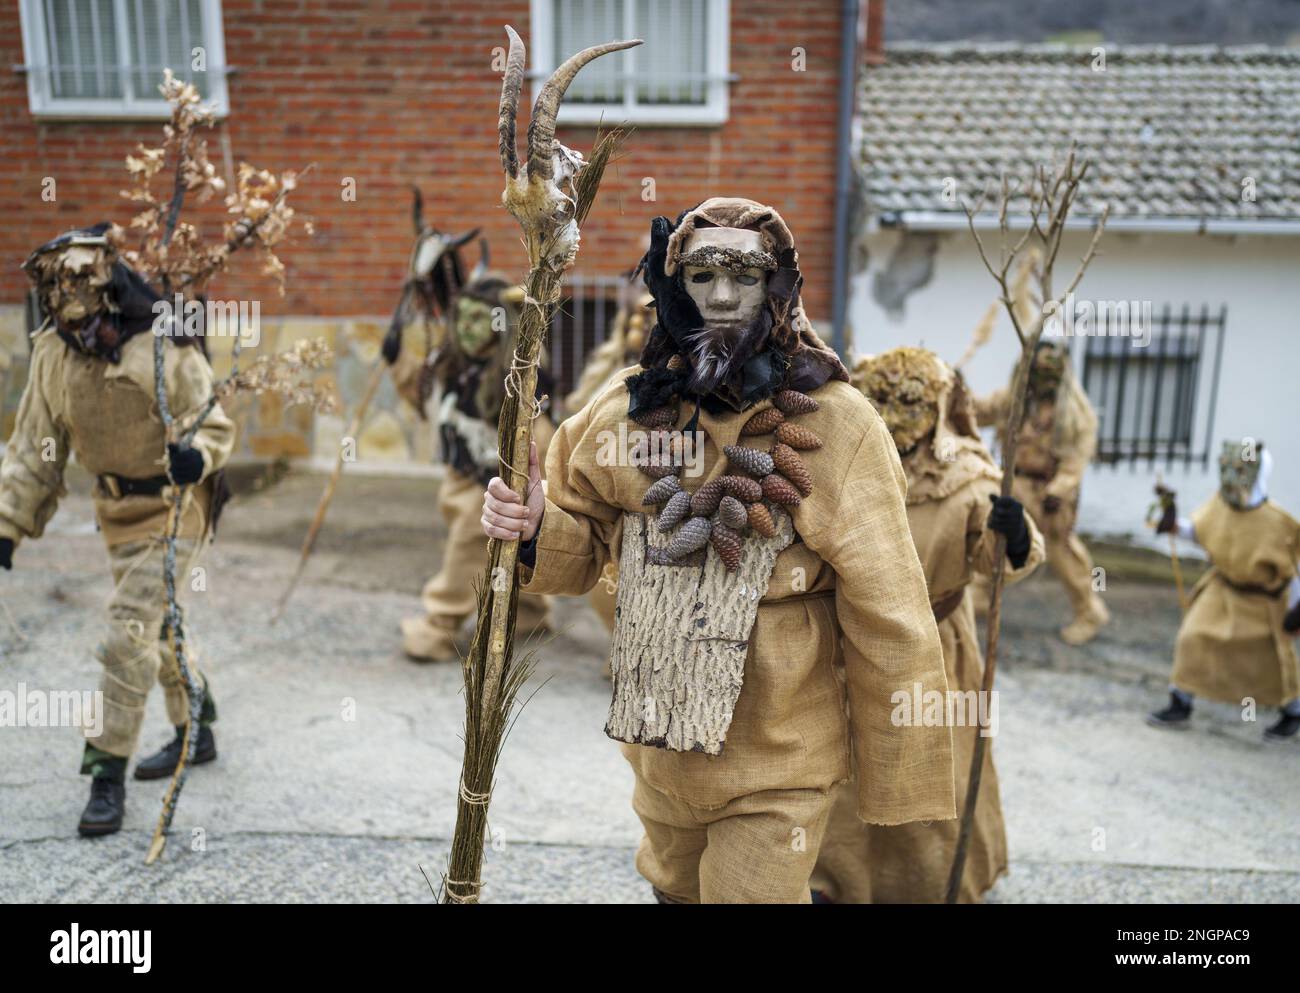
(394,92)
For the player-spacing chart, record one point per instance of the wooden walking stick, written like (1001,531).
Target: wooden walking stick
(549,194)
(1050,195)
(327,495)
(263,218)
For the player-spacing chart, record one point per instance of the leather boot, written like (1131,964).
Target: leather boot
(103,814)
(162,763)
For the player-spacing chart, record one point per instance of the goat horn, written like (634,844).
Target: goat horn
(511,83)
(541,129)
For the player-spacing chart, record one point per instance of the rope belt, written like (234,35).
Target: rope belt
(119,486)
(1042,477)
(1255,587)
(944,606)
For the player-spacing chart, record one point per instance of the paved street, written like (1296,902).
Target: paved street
(308,805)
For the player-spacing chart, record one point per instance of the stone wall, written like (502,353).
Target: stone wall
(391,432)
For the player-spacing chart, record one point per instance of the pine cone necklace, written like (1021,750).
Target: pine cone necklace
(725,509)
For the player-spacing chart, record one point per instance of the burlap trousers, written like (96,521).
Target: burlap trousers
(1066,554)
(133,654)
(759,848)
(450,597)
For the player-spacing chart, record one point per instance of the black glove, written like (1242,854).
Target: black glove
(392,346)
(1008,518)
(186,464)
(6,553)
(1290,623)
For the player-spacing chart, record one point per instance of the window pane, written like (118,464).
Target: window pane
(672,65)
(162,35)
(81,38)
(580,24)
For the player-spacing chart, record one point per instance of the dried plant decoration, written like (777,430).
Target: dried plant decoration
(172,254)
(1049,198)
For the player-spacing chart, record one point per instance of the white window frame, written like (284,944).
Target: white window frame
(711,113)
(130,106)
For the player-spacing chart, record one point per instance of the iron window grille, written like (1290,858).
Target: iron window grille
(580,324)
(105,58)
(679,76)
(1157,403)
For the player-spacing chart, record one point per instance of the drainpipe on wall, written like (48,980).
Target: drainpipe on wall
(843,162)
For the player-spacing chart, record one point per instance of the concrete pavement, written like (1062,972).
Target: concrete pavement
(339,758)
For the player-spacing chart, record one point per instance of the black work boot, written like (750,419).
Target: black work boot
(1284,730)
(1177,716)
(163,762)
(103,814)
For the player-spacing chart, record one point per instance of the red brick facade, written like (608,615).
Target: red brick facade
(394,92)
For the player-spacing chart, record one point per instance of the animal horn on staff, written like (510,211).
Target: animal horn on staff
(549,194)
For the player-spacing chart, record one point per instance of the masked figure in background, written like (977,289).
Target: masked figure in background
(90,392)
(471,324)
(765,553)
(955,511)
(621,349)
(1236,640)
(1058,437)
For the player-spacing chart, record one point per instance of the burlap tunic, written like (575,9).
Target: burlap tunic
(909,863)
(107,415)
(851,584)
(1231,645)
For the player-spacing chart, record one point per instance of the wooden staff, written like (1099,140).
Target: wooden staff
(327,496)
(1050,196)
(549,194)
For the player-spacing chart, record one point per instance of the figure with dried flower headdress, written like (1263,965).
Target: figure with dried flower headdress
(757,517)
(955,512)
(1056,442)
(119,377)
(90,392)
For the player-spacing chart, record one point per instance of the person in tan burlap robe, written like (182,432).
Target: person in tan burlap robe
(1236,643)
(954,508)
(1058,437)
(458,330)
(90,393)
(764,550)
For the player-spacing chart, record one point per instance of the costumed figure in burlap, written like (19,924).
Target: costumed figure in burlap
(1058,437)
(91,392)
(754,502)
(468,325)
(955,510)
(1236,643)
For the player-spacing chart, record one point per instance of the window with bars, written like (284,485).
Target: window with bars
(1157,402)
(105,58)
(679,76)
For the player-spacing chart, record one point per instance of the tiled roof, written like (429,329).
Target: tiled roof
(1172,132)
